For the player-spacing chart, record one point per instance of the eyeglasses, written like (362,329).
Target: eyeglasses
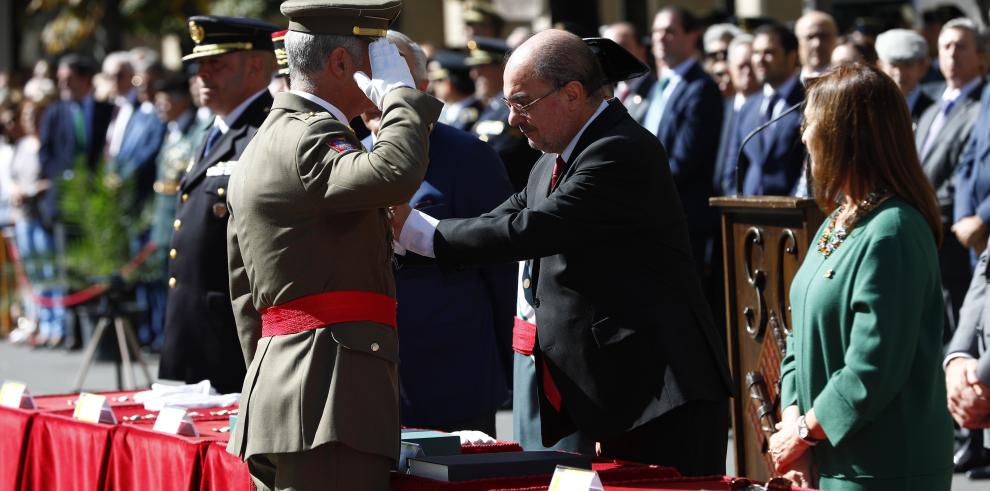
(523,109)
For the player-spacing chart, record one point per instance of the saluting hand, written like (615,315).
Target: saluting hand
(388,71)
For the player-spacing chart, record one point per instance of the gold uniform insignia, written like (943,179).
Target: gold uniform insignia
(220,210)
(196,32)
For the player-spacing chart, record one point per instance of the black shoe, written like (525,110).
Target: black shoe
(979,473)
(969,457)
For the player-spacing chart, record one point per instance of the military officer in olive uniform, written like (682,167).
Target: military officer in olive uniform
(487,59)
(236,62)
(311,253)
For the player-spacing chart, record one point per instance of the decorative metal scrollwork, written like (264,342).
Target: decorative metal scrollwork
(787,246)
(756,319)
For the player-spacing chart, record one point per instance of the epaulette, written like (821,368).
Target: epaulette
(311,117)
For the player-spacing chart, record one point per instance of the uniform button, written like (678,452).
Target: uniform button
(221,191)
(171,282)
(177,224)
(173,253)
(185,197)
(375,347)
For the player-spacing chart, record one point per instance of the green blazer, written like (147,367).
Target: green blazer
(866,354)
(308,215)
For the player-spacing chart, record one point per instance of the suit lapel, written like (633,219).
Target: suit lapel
(226,146)
(607,119)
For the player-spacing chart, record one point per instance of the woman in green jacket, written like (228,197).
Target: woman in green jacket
(861,383)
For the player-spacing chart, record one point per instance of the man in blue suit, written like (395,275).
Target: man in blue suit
(455,326)
(72,133)
(972,199)
(772,160)
(739,60)
(685,112)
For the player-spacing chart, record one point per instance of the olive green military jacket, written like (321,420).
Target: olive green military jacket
(866,354)
(308,216)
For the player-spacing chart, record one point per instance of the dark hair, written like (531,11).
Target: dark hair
(689,22)
(866,52)
(173,85)
(863,139)
(570,61)
(79,65)
(787,39)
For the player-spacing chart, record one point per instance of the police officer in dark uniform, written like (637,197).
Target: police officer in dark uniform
(487,59)
(450,80)
(236,62)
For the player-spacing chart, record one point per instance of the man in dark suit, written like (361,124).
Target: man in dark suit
(72,133)
(903,56)
(685,111)
(632,93)
(941,137)
(456,325)
(739,60)
(626,350)
(771,162)
(967,367)
(236,62)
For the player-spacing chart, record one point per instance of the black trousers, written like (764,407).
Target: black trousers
(692,438)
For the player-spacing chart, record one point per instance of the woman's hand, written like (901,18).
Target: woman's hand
(786,447)
(802,471)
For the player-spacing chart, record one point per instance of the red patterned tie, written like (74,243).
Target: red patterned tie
(559,167)
(550,388)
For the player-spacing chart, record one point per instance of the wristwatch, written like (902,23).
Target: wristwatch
(804,433)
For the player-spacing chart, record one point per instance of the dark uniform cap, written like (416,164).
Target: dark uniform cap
(369,18)
(216,35)
(278,42)
(175,84)
(447,61)
(617,63)
(480,12)
(485,50)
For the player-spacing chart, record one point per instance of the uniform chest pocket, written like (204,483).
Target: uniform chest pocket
(216,197)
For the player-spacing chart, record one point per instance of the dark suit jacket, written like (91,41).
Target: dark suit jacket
(774,169)
(689,133)
(638,101)
(455,326)
(135,162)
(200,335)
(973,175)
(59,147)
(972,336)
(624,327)
(920,104)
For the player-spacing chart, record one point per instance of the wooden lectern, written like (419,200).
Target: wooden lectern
(765,238)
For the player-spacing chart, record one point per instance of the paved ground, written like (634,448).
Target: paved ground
(54,372)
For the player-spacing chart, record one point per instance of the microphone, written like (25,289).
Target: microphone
(756,131)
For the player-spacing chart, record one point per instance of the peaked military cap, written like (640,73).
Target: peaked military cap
(480,12)
(216,35)
(368,18)
(278,42)
(617,63)
(445,61)
(485,50)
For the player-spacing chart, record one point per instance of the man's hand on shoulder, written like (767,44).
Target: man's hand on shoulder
(388,71)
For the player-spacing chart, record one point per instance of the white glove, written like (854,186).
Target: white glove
(389,70)
(473,437)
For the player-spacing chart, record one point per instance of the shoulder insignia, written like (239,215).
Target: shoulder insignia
(221,168)
(489,127)
(340,144)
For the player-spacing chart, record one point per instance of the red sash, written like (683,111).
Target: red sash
(323,309)
(523,337)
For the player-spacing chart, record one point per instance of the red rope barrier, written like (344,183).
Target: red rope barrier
(81,296)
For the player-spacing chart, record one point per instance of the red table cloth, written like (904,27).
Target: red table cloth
(15,426)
